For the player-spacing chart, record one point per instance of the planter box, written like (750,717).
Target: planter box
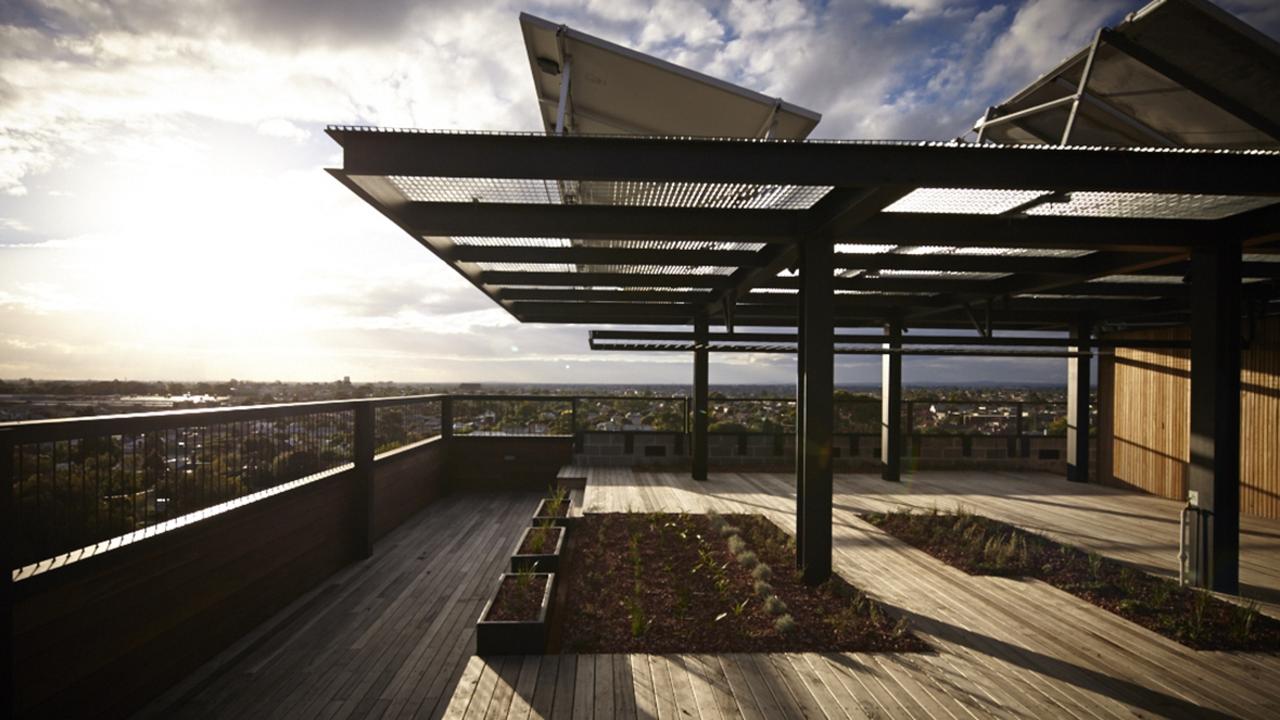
(540,516)
(547,561)
(514,637)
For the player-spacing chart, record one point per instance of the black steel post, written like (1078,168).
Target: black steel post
(1078,404)
(891,403)
(1214,472)
(446,417)
(800,426)
(364,446)
(701,357)
(8,480)
(818,378)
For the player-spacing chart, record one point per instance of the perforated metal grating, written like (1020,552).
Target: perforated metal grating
(1151,205)
(964,201)
(618,193)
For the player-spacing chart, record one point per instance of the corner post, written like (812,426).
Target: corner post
(446,417)
(10,530)
(818,378)
(1214,472)
(891,403)
(1078,403)
(364,447)
(700,373)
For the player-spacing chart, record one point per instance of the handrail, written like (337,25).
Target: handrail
(47,430)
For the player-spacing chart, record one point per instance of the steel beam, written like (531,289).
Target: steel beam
(891,403)
(701,361)
(566,279)
(818,381)
(1078,376)
(1035,231)
(1214,472)
(838,164)
(580,255)
(598,222)
(907,341)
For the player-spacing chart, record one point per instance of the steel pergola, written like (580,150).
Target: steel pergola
(822,235)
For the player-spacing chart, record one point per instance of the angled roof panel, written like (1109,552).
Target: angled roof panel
(616,90)
(1175,73)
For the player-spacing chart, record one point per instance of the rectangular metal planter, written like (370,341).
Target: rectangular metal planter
(540,516)
(546,561)
(514,637)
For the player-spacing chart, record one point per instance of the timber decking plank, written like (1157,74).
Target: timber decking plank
(526,685)
(646,703)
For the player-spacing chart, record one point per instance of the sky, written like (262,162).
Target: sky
(164,212)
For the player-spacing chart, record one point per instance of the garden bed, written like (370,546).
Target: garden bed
(514,622)
(982,546)
(674,583)
(538,549)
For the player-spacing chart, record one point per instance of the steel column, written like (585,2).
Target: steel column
(1078,404)
(1214,472)
(891,403)
(701,357)
(800,305)
(817,377)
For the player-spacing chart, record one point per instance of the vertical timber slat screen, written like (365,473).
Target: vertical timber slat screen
(1149,424)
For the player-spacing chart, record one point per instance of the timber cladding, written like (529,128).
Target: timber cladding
(1145,411)
(405,481)
(507,463)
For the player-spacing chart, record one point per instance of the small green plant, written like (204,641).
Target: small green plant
(740,607)
(902,627)
(774,605)
(727,530)
(1095,566)
(747,559)
(1199,606)
(1242,619)
(537,539)
(1161,590)
(736,544)
(762,572)
(638,622)
(785,624)
(763,588)
(556,501)
(524,578)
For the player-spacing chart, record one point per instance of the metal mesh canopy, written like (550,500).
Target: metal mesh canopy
(662,229)
(1176,73)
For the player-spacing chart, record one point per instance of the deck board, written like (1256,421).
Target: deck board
(393,636)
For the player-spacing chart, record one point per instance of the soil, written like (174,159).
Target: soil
(982,546)
(544,509)
(518,601)
(667,583)
(550,536)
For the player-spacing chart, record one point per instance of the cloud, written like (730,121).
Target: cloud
(1044,33)
(164,210)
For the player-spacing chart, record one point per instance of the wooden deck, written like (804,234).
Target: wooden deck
(388,637)
(1005,648)
(393,636)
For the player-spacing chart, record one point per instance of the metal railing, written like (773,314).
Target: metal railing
(75,483)
(79,482)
